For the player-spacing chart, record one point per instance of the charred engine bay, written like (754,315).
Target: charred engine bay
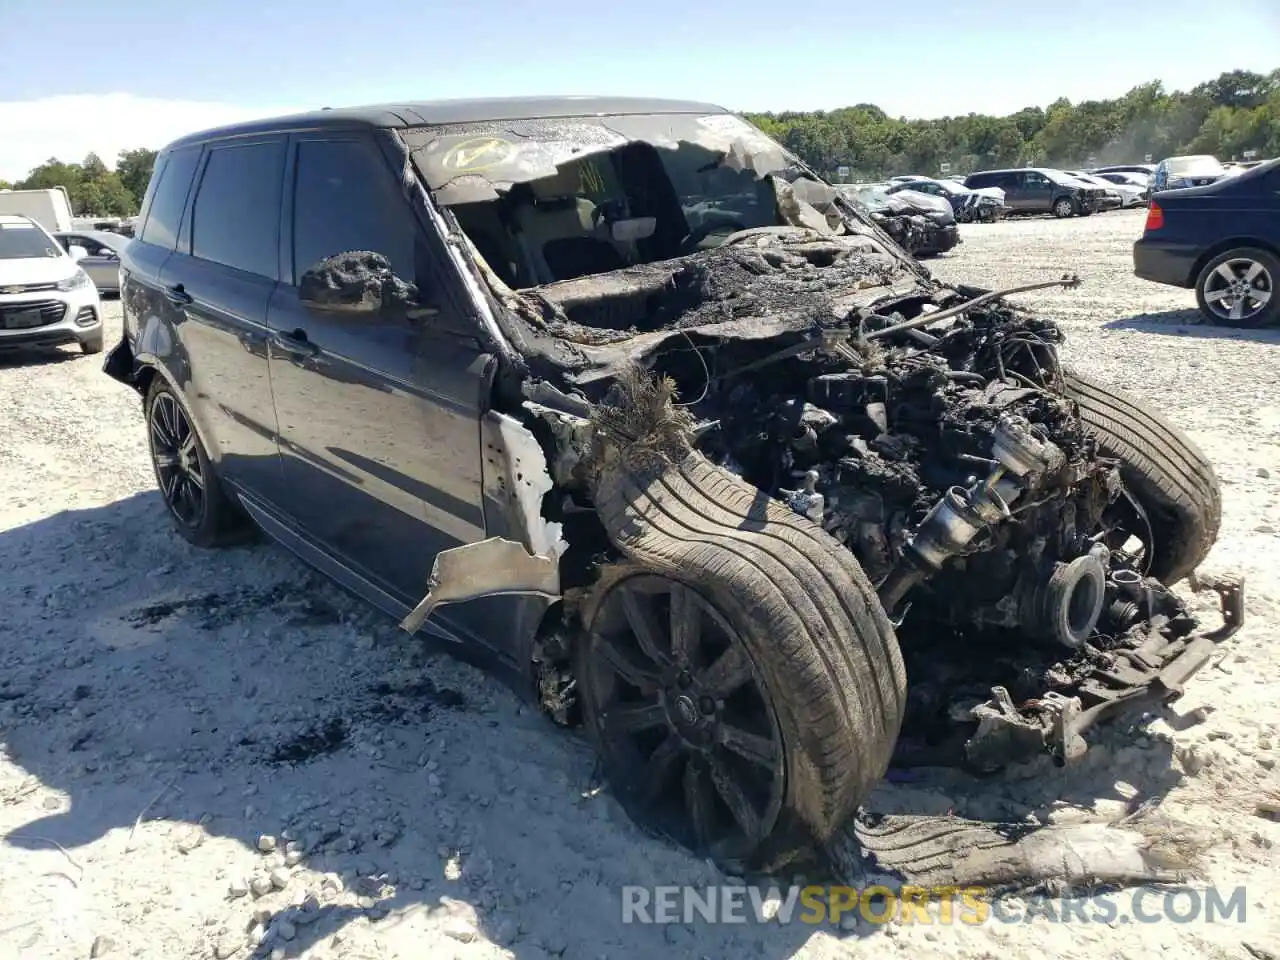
(950,462)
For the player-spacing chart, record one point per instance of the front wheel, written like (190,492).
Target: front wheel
(738,675)
(1163,469)
(1063,208)
(1238,288)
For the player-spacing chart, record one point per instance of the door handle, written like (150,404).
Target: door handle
(177,295)
(294,343)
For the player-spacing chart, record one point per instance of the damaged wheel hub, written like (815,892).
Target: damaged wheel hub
(691,713)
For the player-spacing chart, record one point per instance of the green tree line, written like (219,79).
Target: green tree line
(1237,112)
(94,190)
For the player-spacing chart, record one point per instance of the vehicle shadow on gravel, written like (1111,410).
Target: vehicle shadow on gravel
(268,762)
(39,357)
(1189,323)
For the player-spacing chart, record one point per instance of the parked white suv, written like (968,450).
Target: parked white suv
(46,299)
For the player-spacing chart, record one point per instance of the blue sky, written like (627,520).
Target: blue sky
(103,76)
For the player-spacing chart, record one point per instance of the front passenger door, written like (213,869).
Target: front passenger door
(379,415)
(1038,192)
(101,263)
(1015,194)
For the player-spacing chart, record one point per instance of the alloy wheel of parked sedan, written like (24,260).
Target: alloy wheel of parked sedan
(177,462)
(1063,208)
(1237,290)
(684,723)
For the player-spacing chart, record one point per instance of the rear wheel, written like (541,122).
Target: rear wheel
(1238,288)
(738,675)
(1164,470)
(197,504)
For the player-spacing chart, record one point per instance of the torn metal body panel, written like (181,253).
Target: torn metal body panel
(515,481)
(487,568)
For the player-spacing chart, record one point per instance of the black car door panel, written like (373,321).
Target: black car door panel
(229,392)
(220,282)
(378,414)
(379,443)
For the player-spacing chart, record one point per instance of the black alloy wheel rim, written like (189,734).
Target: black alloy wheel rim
(176,459)
(687,732)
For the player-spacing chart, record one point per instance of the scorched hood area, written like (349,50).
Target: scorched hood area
(930,429)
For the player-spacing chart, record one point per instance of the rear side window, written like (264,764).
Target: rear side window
(236,217)
(346,199)
(169,187)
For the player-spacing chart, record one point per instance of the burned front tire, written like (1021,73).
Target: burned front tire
(1164,470)
(738,675)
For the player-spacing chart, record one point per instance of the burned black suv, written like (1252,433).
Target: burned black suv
(621,393)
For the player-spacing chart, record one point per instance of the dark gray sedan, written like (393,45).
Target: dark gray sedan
(103,260)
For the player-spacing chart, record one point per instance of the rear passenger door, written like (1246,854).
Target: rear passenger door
(149,317)
(379,415)
(220,279)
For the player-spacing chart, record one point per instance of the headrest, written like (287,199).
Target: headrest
(567,182)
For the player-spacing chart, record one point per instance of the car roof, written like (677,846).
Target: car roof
(427,113)
(15,218)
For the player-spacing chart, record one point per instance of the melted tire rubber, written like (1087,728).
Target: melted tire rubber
(1164,470)
(820,643)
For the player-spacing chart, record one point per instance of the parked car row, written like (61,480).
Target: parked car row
(1075,192)
(968,206)
(1030,190)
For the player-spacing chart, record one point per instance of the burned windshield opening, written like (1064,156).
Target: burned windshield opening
(636,204)
(557,199)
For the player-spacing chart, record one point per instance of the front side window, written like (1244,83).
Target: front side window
(345,199)
(235,220)
(170,197)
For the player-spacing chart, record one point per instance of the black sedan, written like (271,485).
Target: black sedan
(1223,240)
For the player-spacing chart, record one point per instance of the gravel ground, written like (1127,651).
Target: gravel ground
(204,752)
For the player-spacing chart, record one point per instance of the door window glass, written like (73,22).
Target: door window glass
(235,220)
(346,200)
(169,199)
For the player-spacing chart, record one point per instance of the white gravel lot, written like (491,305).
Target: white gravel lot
(150,695)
